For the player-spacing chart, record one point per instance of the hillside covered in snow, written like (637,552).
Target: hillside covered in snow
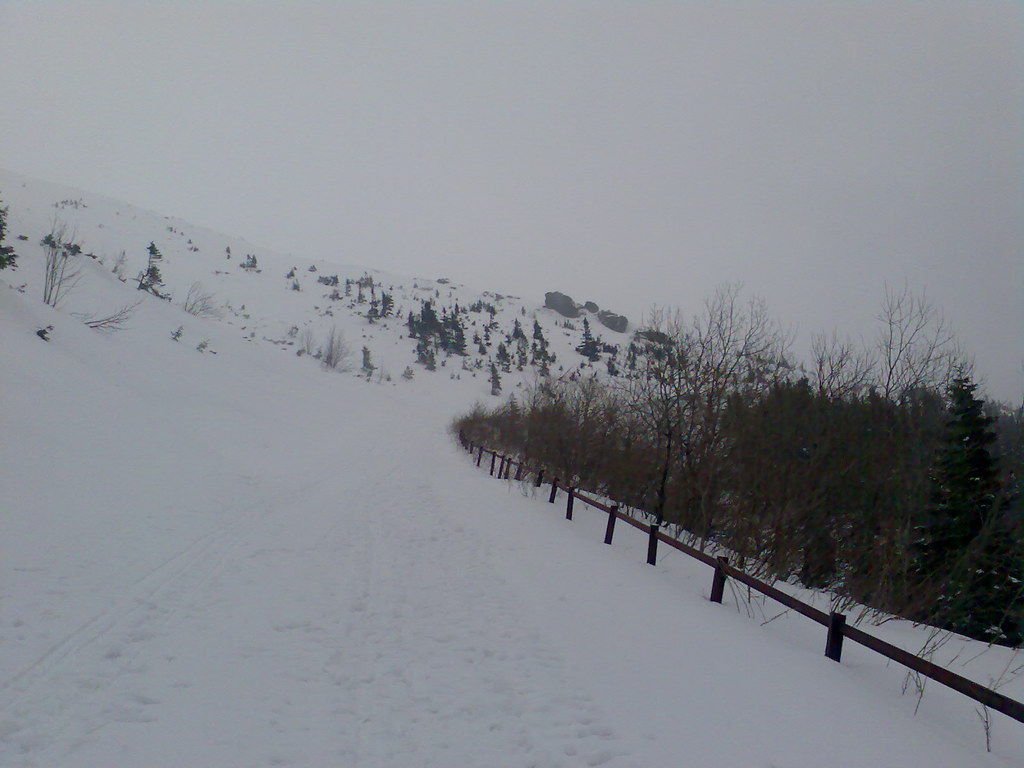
(217,547)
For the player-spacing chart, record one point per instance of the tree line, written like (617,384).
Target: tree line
(876,472)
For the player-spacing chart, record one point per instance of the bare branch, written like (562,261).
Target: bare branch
(116,321)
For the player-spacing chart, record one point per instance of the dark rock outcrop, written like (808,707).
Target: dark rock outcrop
(562,304)
(612,321)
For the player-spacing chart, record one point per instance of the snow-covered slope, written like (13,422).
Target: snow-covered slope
(237,559)
(285,301)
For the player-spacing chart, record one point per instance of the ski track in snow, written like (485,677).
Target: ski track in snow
(412,657)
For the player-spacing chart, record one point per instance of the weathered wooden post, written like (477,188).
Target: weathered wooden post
(613,512)
(480,456)
(501,467)
(494,456)
(540,478)
(834,643)
(519,471)
(718,585)
(568,503)
(554,490)
(508,468)
(652,545)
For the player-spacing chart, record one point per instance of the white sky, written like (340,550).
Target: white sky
(628,153)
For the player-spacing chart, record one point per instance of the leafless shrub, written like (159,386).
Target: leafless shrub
(307,341)
(62,270)
(200,303)
(334,352)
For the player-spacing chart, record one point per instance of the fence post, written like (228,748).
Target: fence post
(718,585)
(480,456)
(554,490)
(834,643)
(508,468)
(568,504)
(608,531)
(519,471)
(652,545)
(540,478)
(494,456)
(501,467)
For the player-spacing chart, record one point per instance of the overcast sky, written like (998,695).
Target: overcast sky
(629,153)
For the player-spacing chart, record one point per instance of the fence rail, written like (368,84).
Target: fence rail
(838,629)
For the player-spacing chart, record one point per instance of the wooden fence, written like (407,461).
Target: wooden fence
(501,467)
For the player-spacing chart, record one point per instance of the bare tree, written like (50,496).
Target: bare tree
(334,352)
(62,269)
(200,303)
(841,370)
(917,347)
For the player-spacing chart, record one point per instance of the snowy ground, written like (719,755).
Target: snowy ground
(239,560)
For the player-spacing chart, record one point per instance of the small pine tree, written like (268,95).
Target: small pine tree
(495,380)
(368,366)
(589,347)
(503,358)
(150,279)
(425,354)
(521,357)
(7,255)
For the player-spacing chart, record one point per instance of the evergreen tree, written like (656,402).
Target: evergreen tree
(503,358)
(7,255)
(425,354)
(964,542)
(521,352)
(373,313)
(387,304)
(456,335)
(150,279)
(428,324)
(589,347)
(368,366)
(495,380)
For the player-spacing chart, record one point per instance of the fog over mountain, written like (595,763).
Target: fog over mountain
(633,154)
